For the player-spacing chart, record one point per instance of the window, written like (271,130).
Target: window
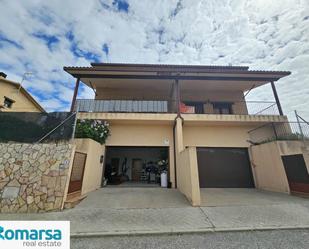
(8,102)
(222,108)
(198,106)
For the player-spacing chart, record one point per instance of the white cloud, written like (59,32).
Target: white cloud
(269,35)
(51,104)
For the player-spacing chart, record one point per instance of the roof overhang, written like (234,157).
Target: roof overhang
(104,74)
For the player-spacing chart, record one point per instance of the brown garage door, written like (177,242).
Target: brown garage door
(296,172)
(224,168)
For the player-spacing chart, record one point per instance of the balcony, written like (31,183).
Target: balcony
(186,107)
(165,111)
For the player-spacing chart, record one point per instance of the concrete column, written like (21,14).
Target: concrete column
(75,94)
(276,98)
(195,184)
(186,167)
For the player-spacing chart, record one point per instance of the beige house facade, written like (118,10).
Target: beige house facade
(15,98)
(195,117)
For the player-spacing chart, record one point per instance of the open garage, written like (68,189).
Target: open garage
(136,165)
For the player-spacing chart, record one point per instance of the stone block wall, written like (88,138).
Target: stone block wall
(34,177)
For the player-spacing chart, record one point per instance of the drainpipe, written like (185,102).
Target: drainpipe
(174,150)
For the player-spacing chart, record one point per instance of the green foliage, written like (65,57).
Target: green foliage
(95,129)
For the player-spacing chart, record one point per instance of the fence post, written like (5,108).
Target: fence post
(299,125)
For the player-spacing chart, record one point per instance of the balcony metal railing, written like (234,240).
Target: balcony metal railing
(262,108)
(168,106)
(142,106)
(280,131)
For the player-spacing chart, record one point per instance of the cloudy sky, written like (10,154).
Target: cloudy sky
(43,36)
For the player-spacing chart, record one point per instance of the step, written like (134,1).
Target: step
(73,200)
(74,194)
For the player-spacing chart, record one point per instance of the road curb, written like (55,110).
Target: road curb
(175,232)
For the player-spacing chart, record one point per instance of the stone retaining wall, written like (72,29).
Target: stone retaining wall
(34,177)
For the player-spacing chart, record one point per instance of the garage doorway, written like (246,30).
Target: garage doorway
(135,166)
(297,173)
(224,168)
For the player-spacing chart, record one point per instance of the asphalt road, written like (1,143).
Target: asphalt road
(281,239)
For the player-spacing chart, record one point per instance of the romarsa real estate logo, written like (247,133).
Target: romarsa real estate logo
(35,234)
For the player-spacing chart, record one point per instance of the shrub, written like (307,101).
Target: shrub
(95,129)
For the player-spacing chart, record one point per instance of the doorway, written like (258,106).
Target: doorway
(297,173)
(77,173)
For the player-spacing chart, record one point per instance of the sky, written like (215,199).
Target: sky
(41,37)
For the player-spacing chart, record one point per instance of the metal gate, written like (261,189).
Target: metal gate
(77,173)
(297,173)
(224,168)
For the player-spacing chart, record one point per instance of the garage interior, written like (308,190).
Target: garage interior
(135,166)
(224,168)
